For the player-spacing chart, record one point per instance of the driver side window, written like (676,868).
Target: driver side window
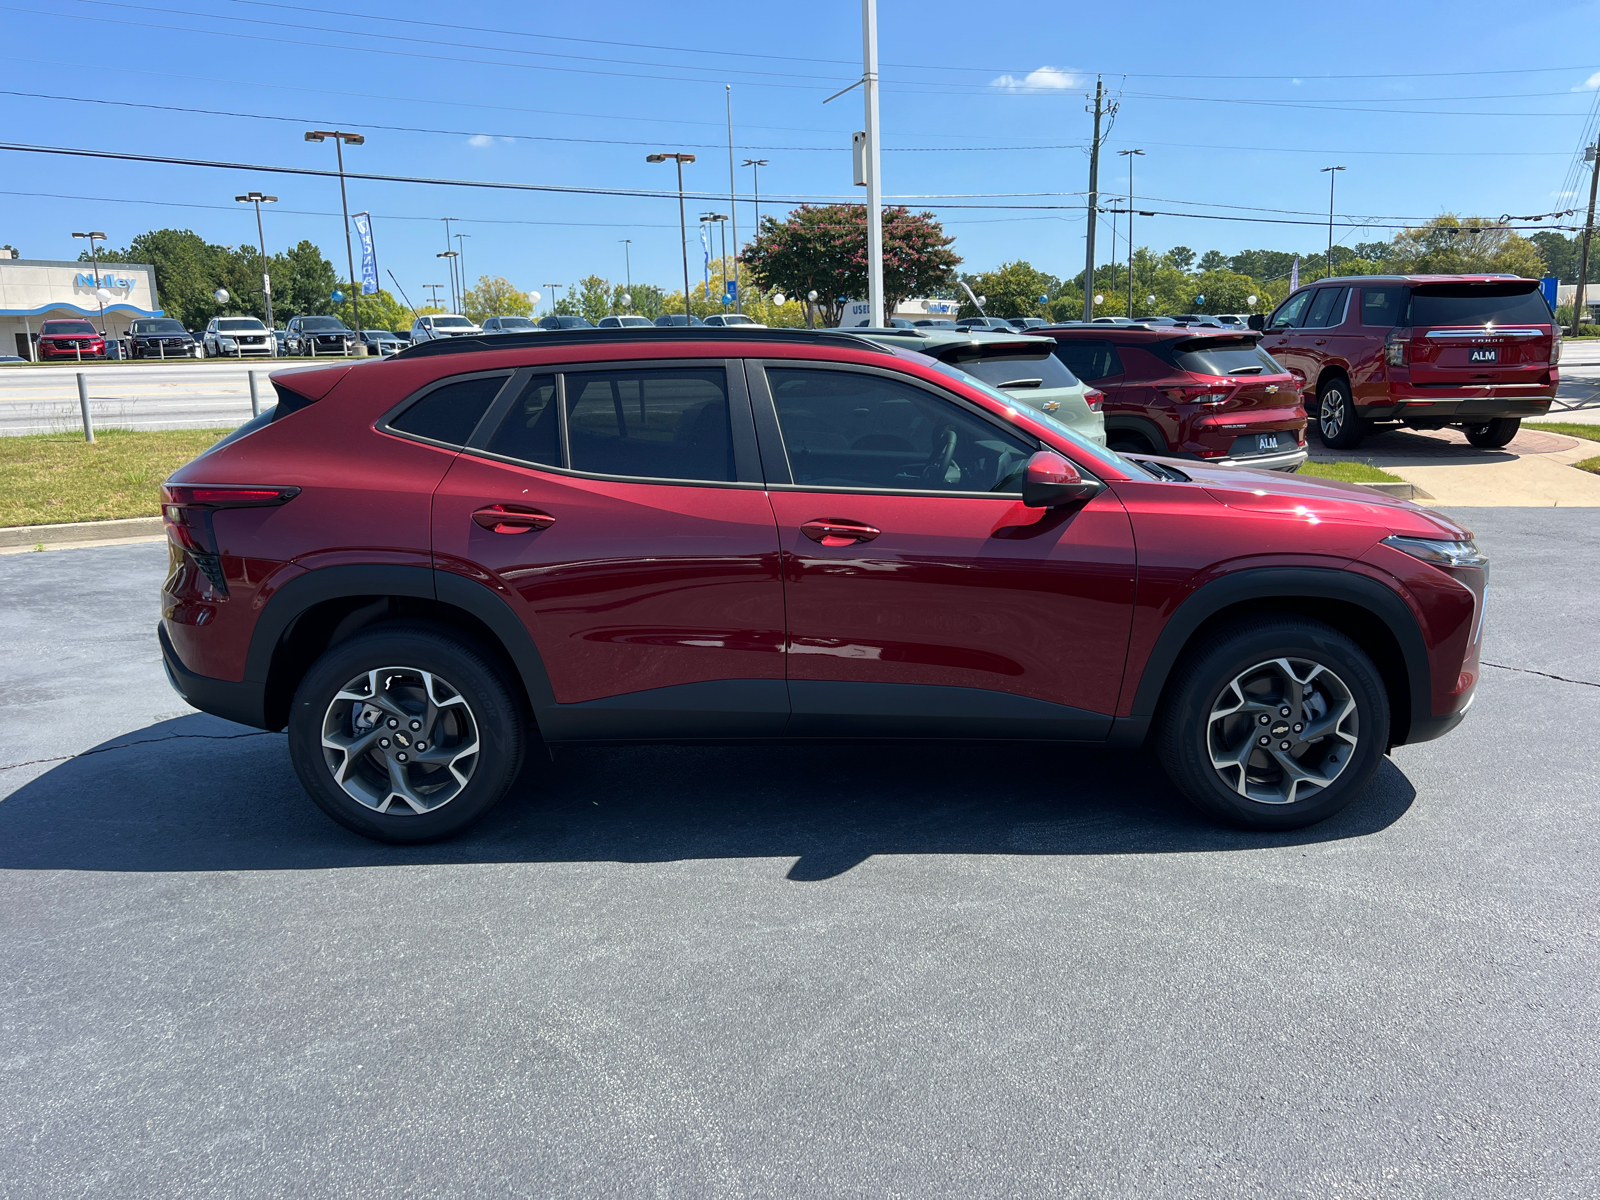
(846,429)
(1289,315)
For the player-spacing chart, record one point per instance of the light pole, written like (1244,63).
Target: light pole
(683,223)
(627,261)
(461,262)
(433,300)
(722,220)
(755,165)
(1130,155)
(1329,171)
(340,139)
(94,257)
(554,288)
(454,305)
(450,257)
(258,200)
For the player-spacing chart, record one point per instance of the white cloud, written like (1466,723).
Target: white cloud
(1044,79)
(480,140)
(1589,84)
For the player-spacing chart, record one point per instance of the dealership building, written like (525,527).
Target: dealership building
(33,290)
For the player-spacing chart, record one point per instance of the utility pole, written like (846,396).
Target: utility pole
(874,162)
(1100,109)
(1590,154)
(733,211)
(1130,155)
(461,257)
(1332,173)
(433,301)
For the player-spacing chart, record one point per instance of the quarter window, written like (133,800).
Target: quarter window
(656,424)
(854,430)
(531,430)
(1381,306)
(451,412)
(1089,359)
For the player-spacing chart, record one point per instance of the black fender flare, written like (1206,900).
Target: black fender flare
(379,579)
(1273,583)
(1144,426)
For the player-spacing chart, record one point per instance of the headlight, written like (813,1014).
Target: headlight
(1440,552)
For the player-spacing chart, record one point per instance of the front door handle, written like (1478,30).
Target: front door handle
(1322,341)
(831,532)
(512,518)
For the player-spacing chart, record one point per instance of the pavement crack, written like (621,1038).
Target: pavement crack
(171,737)
(1542,674)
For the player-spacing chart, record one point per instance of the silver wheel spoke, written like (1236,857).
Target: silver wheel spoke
(1258,710)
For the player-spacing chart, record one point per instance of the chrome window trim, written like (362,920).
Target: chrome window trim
(1484,331)
(384,424)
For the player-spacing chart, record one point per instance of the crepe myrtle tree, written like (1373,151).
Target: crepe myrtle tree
(823,248)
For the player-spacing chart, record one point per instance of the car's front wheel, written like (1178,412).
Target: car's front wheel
(405,733)
(1274,724)
(1494,433)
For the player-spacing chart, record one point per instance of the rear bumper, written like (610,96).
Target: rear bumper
(243,702)
(1463,405)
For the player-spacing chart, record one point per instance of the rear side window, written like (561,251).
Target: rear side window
(654,424)
(1087,359)
(450,412)
(1327,309)
(1381,306)
(531,431)
(1479,304)
(1225,356)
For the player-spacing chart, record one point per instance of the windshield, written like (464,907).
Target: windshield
(1225,356)
(516,323)
(1479,304)
(1042,370)
(235,324)
(66,327)
(318,324)
(1110,457)
(451,323)
(158,325)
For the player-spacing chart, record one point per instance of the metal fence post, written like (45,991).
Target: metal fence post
(83,403)
(255,396)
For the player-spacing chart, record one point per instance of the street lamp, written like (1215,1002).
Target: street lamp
(454,304)
(1130,155)
(683,223)
(94,257)
(433,301)
(627,260)
(340,140)
(722,220)
(450,257)
(554,288)
(1329,171)
(258,200)
(461,263)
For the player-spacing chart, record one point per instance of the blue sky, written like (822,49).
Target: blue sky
(1474,108)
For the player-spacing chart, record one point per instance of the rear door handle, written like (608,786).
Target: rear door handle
(512,518)
(1322,341)
(830,532)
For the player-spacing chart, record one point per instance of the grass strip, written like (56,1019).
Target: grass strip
(1568,429)
(1592,465)
(49,478)
(1348,472)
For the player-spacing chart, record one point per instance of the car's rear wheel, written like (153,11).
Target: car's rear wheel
(1275,724)
(405,733)
(1494,433)
(1337,423)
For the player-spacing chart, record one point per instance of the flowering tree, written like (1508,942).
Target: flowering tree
(823,248)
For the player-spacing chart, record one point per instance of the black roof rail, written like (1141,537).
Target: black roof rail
(638,335)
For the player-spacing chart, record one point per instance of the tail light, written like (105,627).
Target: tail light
(1555,344)
(186,512)
(1094,399)
(1197,395)
(1397,347)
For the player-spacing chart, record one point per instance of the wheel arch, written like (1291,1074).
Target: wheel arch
(1336,370)
(324,607)
(1143,426)
(1362,609)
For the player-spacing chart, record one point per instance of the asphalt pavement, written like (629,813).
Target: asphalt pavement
(948,970)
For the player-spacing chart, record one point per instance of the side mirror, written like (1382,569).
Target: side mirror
(1257,321)
(1050,481)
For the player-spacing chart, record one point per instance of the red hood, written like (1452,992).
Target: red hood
(1324,499)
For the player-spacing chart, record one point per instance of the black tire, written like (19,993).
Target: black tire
(1124,441)
(1194,725)
(494,723)
(1337,423)
(1494,433)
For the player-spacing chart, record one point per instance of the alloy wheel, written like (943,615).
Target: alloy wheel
(400,740)
(1331,414)
(1282,731)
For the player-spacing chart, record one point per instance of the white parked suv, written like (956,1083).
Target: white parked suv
(238,337)
(441,325)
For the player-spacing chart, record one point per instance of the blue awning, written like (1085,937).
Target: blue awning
(83,312)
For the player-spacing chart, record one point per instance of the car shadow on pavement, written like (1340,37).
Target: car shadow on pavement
(198,794)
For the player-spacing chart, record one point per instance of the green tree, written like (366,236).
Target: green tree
(494,296)
(378,311)
(594,298)
(823,248)
(1449,245)
(303,283)
(1181,257)
(1213,260)
(1011,290)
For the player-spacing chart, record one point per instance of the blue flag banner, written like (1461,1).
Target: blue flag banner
(369,252)
(705,250)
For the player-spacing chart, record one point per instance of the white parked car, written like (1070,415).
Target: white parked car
(238,337)
(441,325)
(733,320)
(624,321)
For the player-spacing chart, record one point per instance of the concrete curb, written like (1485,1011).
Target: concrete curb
(1400,491)
(80,531)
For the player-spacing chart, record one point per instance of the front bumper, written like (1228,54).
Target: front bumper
(1288,460)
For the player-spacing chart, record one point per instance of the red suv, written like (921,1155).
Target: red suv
(416,564)
(69,339)
(1475,351)
(1189,393)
